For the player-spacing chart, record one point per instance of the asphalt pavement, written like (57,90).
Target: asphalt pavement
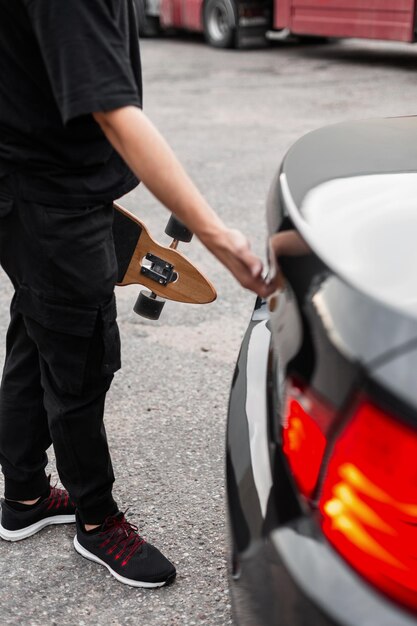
(230,116)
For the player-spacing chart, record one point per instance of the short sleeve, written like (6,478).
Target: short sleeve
(85,49)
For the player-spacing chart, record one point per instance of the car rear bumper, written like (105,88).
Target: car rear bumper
(283,570)
(294,579)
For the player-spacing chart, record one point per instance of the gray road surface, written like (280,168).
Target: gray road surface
(230,116)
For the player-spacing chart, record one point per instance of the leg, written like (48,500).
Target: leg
(69,312)
(77,428)
(24,432)
(63,267)
(65,299)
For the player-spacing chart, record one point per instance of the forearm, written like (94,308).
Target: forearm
(152,160)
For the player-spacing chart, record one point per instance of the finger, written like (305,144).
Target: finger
(245,255)
(275,282)
(266,288)
(256,268)
(252,262)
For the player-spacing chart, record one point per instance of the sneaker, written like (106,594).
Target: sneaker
(117,545)
(57,508)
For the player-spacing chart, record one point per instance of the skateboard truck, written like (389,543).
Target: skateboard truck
(159,270)
(148,304)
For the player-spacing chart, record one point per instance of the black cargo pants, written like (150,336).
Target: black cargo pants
(63,347)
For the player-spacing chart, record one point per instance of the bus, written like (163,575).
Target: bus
(243,23)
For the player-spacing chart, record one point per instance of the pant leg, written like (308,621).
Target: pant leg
(64,292)
(24,431)
(77,430)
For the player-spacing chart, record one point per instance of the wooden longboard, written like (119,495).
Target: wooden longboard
(163,270)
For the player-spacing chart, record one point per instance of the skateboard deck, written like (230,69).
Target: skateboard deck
(162,269)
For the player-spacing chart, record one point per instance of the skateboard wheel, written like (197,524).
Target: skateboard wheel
(148,307)
(177,230)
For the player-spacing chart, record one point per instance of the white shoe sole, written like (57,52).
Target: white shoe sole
(126,581)
(28,531)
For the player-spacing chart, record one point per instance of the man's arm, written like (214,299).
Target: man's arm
(148,155)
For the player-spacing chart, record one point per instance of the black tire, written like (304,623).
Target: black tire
(177,230)
(148,25)
(148,307)
(219,19)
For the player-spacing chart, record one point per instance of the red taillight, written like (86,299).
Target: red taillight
(369,501)
(306,419)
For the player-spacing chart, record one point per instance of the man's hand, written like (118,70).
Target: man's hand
(233,250)
(148,155)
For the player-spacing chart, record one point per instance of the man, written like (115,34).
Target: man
(72,139)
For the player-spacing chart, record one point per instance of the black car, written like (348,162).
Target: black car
(322,425)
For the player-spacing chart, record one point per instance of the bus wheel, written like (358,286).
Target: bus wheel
(220,23)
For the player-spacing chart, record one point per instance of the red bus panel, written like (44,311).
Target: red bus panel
(371,19)
(192,15)
(182,14)
(171,13)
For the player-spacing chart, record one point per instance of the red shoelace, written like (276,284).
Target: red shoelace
(57,498)
(121,535)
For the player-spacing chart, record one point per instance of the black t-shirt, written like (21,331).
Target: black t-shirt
(61,60)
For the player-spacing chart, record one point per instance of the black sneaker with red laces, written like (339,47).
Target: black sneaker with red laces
(23,521)
(117,545)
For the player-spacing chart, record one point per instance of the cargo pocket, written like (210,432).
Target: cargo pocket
(63,335)
(111,338)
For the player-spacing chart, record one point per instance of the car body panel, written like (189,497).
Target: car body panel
(398,375)
(340,226)
(364,147)
(328,328)
(248,433)
(322,574)
(285,571)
